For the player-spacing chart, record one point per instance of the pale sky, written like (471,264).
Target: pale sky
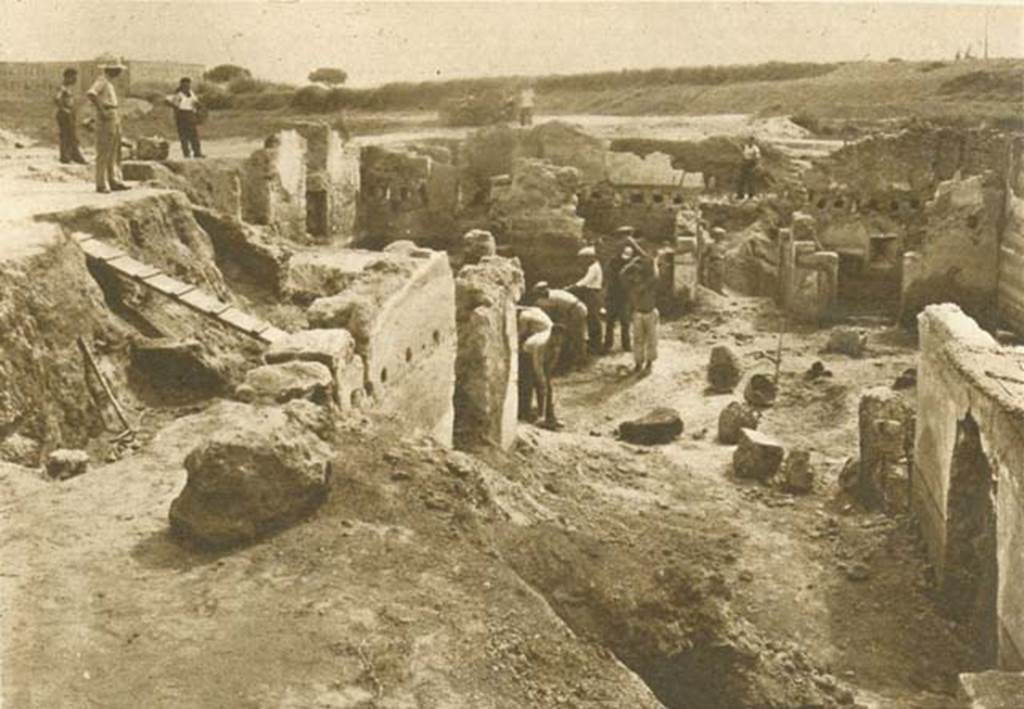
(379,42)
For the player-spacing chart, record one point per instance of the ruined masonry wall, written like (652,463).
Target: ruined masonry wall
(1011,250)
(952,383)
(410,359)
(274,186)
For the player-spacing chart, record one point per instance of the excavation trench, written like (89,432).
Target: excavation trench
(665,615)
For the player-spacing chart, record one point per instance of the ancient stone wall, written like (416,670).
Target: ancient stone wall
(274,185)
(332,183)
(535,215)
(399,306)
(1011,248)
(959,250)
(968,386)
(486,369)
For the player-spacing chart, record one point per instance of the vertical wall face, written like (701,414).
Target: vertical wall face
(1011,251)
(274,185)
(486,401)
(970,429)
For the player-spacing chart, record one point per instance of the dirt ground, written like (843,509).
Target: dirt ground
(526,579)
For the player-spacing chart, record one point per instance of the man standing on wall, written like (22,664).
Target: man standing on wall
(186,118)
(748,169)
(67,119)
(108,126)
(640,277)
(526,97)
(588,289)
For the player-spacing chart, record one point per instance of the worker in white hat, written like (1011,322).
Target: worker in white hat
(108,125)
(590,290)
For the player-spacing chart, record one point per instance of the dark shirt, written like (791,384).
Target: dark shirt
(640,278)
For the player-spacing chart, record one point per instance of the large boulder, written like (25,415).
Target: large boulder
(758,456)
(848,341)
(724,371)
(660,425)
(886,427)
(735,417)
(797,474)
(265,470)
(279,383)
(477,244)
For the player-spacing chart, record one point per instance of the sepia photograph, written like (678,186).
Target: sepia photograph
(511,355)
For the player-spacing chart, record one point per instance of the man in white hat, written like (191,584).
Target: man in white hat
(589,290)
(108,126)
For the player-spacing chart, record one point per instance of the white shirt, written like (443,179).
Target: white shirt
(751,152)
(526,98)
(104,92)
(183,102)
(593,278)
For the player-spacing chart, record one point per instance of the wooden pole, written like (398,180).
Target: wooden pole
(91,363)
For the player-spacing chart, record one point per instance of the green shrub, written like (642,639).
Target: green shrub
(314,99)
(264,101)
(153,91)
(214,96)
(224,73)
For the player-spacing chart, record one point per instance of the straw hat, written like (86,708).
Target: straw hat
(109,61)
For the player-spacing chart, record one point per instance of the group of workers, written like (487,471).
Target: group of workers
(561,327)
(103,96)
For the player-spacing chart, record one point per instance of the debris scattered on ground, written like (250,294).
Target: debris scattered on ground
(797,474)
(735,417)
(848,341)
(660,425)
(758,456)
(817,371)
(907,379)
(724,371)
(760,391)
(65,463)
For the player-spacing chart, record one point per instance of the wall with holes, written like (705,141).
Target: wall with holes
(964,373)
(650,209)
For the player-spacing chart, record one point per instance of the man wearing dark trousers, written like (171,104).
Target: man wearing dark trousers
(67,119)
(186,118)
(616,303)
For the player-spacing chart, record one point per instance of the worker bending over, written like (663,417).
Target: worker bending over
(566,310)
(540,344)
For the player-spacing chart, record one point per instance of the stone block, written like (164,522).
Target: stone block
(100,250)
(848,341)
(65,463)
(735,417)
(278,383)
(132,268)
(758,456)
(248,324)
(797,474)
(152,148)
(204,303)
(660,425)
(992,690)
(724,371)
(760,390)
(333,348)
(168,286)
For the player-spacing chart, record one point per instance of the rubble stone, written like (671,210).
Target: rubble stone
(992,689)
(797,474)
(278,383)
(758,456)
(760,391)
(263,471)
(65,463)
(886,426)
(724,371)
(477,244)
(152,148)
(334,348)
(848,341)
(734,417)
(20,450)
(660,425)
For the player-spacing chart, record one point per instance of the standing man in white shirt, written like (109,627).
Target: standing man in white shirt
(748,169)
(526,106)
(186,118)
(589,290)
(108,126)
